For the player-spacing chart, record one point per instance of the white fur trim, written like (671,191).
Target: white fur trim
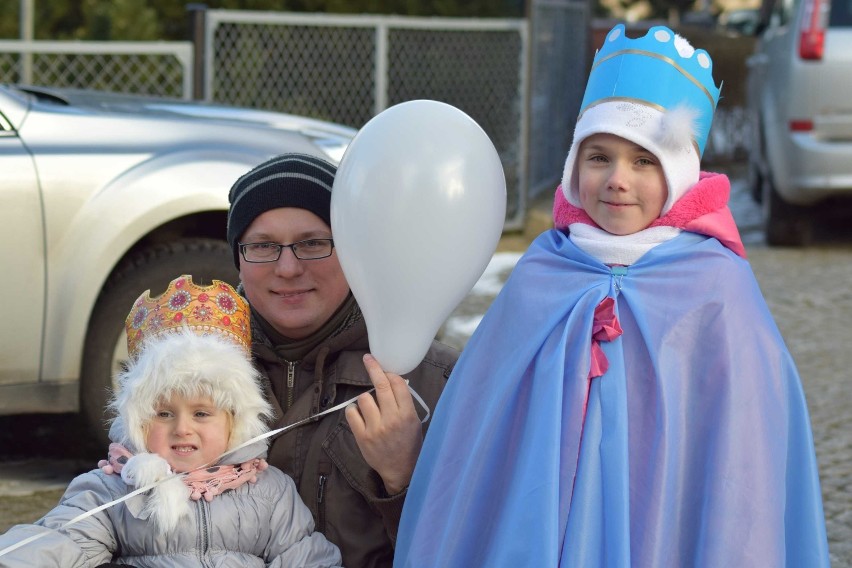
(168,502)
(683,47)
(645,126)
(188,363)
(676,126)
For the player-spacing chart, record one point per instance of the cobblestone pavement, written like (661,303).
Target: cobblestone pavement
(810,295)
(808,290)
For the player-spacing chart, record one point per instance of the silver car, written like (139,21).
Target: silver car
(105,196)
(799,85)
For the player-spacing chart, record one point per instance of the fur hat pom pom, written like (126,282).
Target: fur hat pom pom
(168,502)
(145,469)
(677,127)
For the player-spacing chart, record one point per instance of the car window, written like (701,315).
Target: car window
(841,14)
(5,125)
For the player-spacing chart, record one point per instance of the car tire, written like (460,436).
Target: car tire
(150,269)
(754,181)
(785,224)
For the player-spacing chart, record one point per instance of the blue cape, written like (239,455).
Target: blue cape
(693,449)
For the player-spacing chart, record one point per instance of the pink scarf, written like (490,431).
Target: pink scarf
(207,482)
(703,210)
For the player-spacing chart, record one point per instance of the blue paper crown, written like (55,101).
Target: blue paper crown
(650,70)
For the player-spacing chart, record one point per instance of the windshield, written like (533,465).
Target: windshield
(841,14)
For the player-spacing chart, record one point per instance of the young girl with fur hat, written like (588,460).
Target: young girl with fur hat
(627,400)
(187,409)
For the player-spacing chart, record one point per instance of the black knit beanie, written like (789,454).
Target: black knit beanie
(288,180)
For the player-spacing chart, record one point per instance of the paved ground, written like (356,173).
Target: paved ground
(808,291)
(810,295)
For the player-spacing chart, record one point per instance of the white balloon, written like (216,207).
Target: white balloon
(417,210)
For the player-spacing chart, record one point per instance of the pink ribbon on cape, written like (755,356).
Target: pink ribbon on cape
(605,327)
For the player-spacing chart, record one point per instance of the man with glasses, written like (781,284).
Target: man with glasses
(310,341)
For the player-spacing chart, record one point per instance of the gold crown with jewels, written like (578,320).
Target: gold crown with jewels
(216,309)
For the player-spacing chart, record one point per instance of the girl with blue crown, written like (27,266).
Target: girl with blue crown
(628,399)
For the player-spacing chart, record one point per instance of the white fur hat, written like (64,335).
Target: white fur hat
(188,363)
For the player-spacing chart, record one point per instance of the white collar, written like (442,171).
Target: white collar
(618,249)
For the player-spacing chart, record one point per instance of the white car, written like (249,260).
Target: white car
(798,90)
(103,197)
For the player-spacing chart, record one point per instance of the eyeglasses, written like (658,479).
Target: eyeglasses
(309,249)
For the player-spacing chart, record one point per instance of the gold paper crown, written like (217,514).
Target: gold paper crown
(216,309)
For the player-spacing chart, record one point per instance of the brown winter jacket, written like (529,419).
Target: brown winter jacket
(345,496)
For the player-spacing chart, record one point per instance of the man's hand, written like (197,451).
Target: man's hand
(387,428)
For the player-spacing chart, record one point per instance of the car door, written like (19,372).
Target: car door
(768,85)
(22,261)
(832,104)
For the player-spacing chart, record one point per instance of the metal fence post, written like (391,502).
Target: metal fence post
(197,24)
(381,77)
(27,35)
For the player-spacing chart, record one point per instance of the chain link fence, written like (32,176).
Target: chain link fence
(347,69)
(521,80)
(560,59)
(146,68)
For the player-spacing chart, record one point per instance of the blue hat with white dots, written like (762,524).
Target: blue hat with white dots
(656,91)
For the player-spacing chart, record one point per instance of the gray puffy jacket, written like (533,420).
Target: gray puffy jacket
(256,524)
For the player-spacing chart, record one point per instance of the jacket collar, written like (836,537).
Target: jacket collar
(351,335)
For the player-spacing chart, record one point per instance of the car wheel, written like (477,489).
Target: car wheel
(756,151)
(754,181)
(785,224)
(105,350)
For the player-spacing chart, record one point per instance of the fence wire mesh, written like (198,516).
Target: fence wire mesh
(110,66)
(347,69)
(325,73)
(560,39)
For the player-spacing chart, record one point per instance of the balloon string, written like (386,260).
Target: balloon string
(150,486)
(86,514)
(422,403)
